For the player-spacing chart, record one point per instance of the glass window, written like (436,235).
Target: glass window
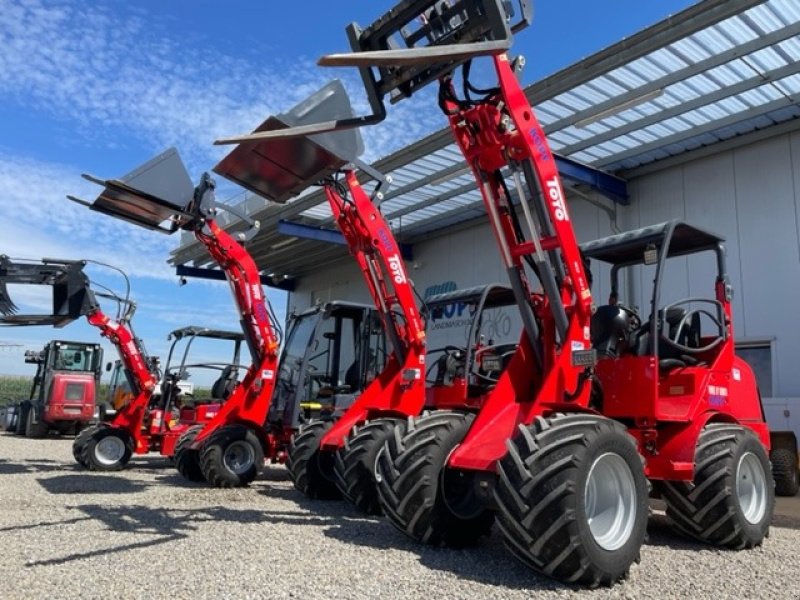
(759,357)
(71,357)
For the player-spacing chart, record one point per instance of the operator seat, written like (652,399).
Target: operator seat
(450,366)
(610,331)
(225,384)
(352,377)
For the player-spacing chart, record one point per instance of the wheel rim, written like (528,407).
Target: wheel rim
(239,457)
(751,487)
(610,500)
(109,450)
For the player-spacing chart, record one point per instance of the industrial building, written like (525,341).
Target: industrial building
(695,118)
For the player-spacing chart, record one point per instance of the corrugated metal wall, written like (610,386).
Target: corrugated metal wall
(750,195)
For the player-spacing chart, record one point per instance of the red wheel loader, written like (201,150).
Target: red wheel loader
(229,449)
(62,396)
(563,447)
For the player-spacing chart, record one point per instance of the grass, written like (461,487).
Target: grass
(14,388)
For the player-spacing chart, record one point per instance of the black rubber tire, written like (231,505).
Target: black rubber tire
(541,498)
(35,431)
(186,459)
(707,509)
(410,471)
(81,440)
(310,469)
(22,417)
(212,456)
(88,457)
(354,467)
(785,471)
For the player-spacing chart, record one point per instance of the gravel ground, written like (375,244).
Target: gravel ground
(145,533)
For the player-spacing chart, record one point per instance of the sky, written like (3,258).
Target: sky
(100,87)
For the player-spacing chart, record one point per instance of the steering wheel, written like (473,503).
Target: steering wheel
(672,340)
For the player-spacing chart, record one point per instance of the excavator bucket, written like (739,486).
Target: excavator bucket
(280,168)
(155,195)
(71,296)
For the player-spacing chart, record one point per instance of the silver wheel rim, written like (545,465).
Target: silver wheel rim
(239,457)
(610,500)
(109,450)
(751,488)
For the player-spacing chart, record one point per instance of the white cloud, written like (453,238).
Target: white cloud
(113,75)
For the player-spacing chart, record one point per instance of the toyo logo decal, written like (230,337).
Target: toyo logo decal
(556,197)
(260,312)
(540,145)
(386,240)
(396,266)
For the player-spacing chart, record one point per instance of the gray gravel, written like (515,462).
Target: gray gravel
(145,533)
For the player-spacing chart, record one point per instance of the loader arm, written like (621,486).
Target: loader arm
(284,162)
(400,388)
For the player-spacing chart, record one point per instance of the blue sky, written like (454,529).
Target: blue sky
(100,87)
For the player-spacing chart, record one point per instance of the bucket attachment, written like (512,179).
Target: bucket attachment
(283,167)
(71,296)
(158,192)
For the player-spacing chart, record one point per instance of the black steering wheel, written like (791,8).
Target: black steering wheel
(672,339)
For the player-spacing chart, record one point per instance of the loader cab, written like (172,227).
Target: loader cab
(675,350)
(65,383)
(332,352)
(190,369)
(472,335)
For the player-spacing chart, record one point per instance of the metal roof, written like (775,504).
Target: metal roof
(718,69)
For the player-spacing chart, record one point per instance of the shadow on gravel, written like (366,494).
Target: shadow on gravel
(661,533)
(8,467)
(488,562)
(168,525)
(89,483)
(786,521)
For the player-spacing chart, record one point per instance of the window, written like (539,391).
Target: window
(759,357)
